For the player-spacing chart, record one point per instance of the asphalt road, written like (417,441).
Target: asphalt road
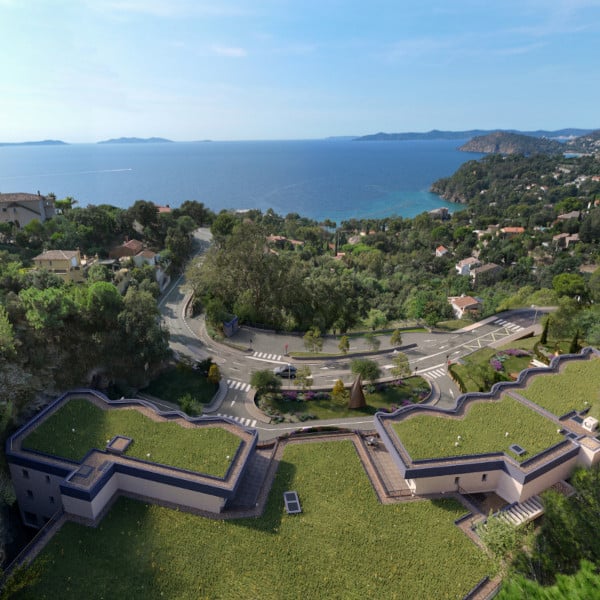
(259,350)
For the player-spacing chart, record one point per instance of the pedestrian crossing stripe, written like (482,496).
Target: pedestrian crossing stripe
(241,420)
(238,385)
(435,373)
(267,356)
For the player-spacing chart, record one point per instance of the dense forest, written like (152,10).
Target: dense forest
(290,273)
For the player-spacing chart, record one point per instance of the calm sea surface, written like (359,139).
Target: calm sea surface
(335,179)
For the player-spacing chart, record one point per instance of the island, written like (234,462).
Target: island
(38,143)
(136,140)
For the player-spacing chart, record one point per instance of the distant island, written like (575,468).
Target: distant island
(40,143)
(135,140)
(436,134)
(503,142)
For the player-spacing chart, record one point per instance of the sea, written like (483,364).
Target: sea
(335,179)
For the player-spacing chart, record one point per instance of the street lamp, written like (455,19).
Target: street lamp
(535,314)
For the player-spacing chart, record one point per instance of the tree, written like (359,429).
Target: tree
(179,245)
(574,347)
(265,381)
(145,213)
(372,341)
(367,369)
(304,377)
(376,319)
(214,375)
(190,405)
(222,227)
(344,344)
(401,366)
(499,536)
(339,393)
(544,336)
(396,338)
(7,336)
(313,340)
(570,284)
(143,342)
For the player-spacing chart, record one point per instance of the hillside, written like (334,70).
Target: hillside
(586,144)
(504,142)
(436,134)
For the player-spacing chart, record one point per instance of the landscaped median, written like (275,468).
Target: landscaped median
(344,544)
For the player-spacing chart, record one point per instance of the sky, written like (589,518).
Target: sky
(88,70)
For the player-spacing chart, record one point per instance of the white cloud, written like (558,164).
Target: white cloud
(229,51)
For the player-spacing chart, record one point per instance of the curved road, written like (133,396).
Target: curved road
(265,350)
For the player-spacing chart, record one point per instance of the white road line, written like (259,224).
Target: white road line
(432,368)
(232,403)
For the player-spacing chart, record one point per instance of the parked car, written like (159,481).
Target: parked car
(288,371)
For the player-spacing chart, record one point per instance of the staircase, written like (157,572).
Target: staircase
(520,513)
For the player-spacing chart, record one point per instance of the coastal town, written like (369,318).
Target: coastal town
(163,361)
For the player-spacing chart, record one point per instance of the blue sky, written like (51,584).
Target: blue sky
(86,70)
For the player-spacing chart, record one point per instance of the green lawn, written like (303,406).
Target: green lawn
(79,426)
(387,398)
(344,545)
(175,383)
(482,430)
(577,384)
(471,371)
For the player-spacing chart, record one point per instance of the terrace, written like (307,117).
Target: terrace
(483,427)
(499,441)
(575,388)
(84,450)
(80,425)
(408,550)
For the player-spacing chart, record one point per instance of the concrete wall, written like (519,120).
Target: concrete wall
(543,482)
(90,510)
(168,493)
(38,494)
(479,481)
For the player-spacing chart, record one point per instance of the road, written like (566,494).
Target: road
(428,353)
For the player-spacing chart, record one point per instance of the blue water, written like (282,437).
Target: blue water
(335,179)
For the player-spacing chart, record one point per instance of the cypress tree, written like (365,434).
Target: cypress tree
(544,338)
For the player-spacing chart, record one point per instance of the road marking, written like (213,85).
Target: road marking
(267,360)
(434,374)
(232,403)
(267,356)
(241,420)
(238,385)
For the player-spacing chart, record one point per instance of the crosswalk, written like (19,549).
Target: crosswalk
(434,374)
(267,356)
(512,327)
(232,384)
(241,420)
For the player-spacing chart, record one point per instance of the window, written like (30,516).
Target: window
(29,494)
(51,499)
(484,477)
(25,474)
